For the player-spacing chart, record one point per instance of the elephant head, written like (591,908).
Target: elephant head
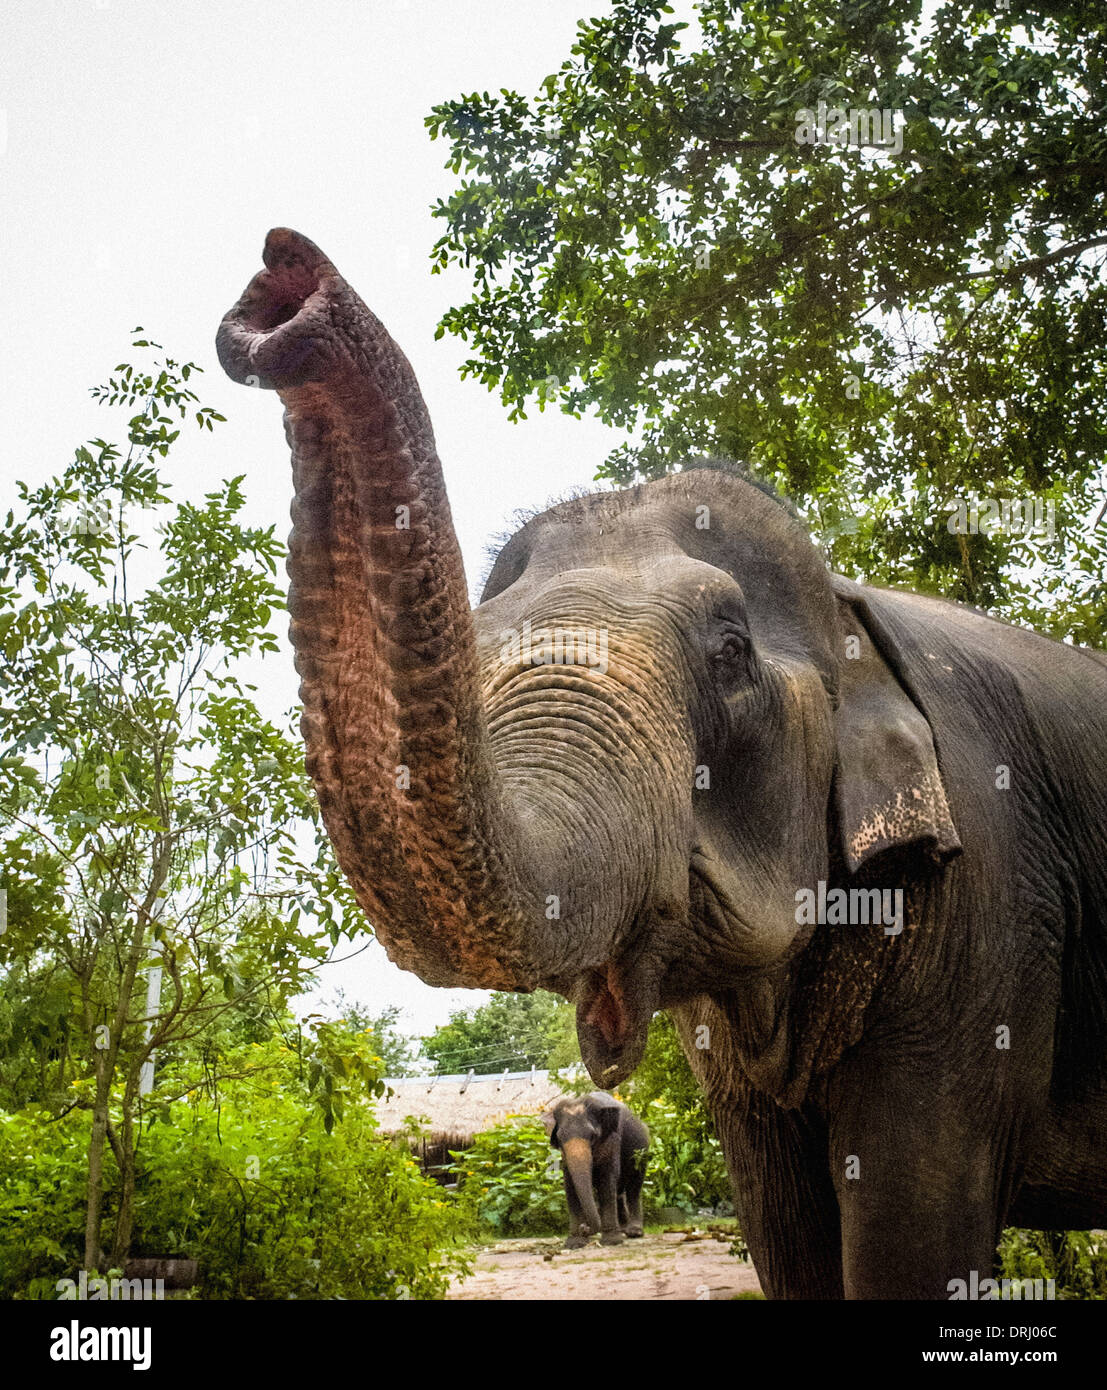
(612,776)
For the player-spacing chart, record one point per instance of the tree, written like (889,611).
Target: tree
(683,233)
(398,1051)
(687,1167)
(153,817)
(510,1032)
(664,1074)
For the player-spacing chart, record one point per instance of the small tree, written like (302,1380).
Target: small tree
(664,1074)
(510,1032)
(154,818)
(397,1051)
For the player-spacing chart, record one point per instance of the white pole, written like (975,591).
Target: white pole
(153,1005)
(153,1008)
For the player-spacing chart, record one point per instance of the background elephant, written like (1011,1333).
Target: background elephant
(603,1157)
(666,723)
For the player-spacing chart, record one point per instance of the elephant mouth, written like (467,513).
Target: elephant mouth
(614,1006)
(616,1000)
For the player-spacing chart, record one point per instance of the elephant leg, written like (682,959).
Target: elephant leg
(623,1217)
(577,1223)
(633,1197)
(785,1200)
(607,1187)
(922,1181)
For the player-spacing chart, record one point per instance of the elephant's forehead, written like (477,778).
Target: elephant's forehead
(629,543)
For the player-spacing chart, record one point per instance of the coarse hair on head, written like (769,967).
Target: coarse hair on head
(582,494)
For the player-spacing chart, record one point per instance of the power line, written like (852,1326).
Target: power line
(525,1043)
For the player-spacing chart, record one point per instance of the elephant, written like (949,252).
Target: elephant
(671,761)
(603,1151)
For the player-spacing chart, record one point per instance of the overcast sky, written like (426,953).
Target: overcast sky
(145,150)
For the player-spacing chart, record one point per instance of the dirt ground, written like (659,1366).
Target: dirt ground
(671,1265)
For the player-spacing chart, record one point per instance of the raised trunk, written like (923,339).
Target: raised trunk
(576,1154)
(393,720)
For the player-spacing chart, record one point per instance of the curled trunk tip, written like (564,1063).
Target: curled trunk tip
(277,334)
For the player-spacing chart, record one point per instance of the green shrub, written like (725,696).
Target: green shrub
(1075,1260)
(686,1168)
(277,1208)
(509,1182)
(43,1191)
(254,1188)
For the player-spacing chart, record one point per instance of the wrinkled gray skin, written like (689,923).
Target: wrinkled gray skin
(603,1155)
(635,836)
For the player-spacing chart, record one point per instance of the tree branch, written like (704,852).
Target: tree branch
(1031,267)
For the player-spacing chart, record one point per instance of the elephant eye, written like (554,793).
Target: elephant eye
(728,650)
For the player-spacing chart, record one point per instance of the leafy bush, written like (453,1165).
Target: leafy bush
(1075,1260)
(43,1192)
(510,1181)
(686,1167)
(253,1186)
(664,1073)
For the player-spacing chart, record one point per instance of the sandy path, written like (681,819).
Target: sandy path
(675,1265)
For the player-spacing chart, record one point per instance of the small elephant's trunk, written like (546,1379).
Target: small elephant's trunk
(576,1154)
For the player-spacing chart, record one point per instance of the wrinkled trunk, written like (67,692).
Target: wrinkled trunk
(393,721)
(576,1154)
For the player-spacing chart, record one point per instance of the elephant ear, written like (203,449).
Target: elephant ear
(888,789)
(549,1119)
(607,1116)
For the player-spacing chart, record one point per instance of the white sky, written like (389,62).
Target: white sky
(145,150)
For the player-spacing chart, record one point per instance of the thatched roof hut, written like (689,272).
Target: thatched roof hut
(452,1109)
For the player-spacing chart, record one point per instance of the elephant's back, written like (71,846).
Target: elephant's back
(635,1132)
